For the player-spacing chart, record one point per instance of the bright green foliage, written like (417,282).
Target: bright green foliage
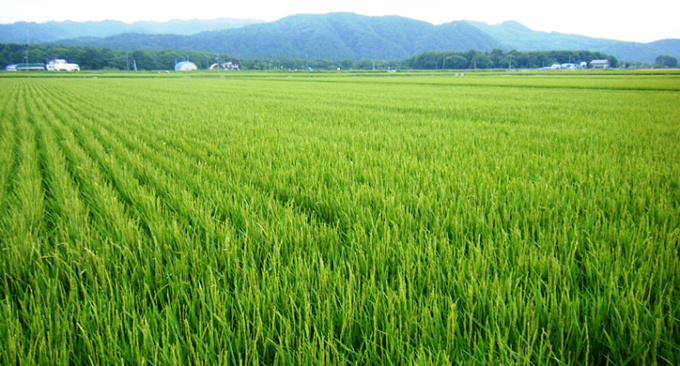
(363,220)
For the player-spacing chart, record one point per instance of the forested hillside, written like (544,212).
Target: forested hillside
(342,36)
(334,36)
(338,36)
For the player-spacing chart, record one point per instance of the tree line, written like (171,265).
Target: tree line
(92,58)
(498,59)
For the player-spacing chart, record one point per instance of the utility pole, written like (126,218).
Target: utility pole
(28,41)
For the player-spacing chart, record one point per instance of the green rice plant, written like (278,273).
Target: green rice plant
(512,219)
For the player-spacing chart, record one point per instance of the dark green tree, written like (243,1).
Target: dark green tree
(456,61)
(666,61)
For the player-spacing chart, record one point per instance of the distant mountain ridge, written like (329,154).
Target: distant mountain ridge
(29,32)
(331,36)
(514,35)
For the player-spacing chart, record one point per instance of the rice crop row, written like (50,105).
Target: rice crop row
(264,220)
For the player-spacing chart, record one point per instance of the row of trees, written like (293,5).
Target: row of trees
(91,58)
(497,59)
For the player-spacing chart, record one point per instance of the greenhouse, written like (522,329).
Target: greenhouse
(185,66)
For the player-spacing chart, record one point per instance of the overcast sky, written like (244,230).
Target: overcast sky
(639,21)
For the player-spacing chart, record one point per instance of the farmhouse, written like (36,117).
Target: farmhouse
(599,64)
(185,66)
(61,65)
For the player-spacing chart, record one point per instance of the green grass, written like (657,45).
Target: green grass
(330,219)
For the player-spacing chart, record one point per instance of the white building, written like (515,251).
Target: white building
(61,65)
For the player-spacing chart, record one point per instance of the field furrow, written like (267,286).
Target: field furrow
(69,212)
(10,144)
(24,216)
(23,265)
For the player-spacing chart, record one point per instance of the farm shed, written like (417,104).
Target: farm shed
(31,67)
(185,66)
(599,64)
(25,67)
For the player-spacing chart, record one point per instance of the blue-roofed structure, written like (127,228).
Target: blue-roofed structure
(185,66)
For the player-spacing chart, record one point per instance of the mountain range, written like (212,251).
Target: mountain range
(331,36)
(23,32)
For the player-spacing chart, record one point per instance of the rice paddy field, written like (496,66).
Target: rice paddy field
(340,219)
